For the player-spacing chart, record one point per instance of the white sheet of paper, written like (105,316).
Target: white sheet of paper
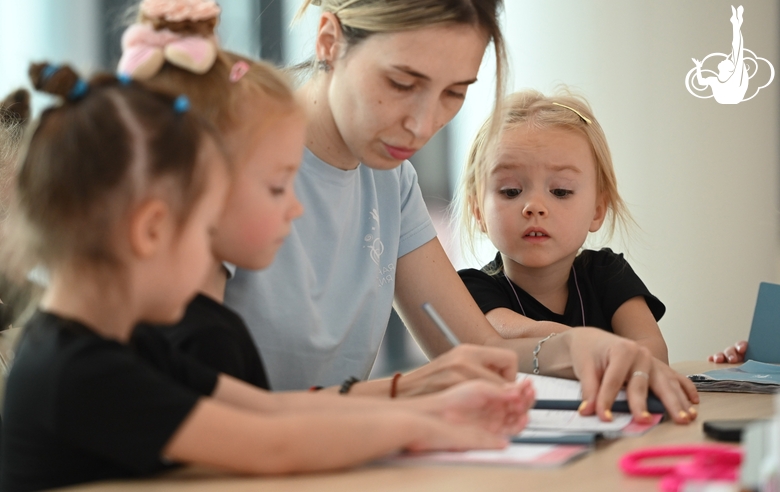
(550,388)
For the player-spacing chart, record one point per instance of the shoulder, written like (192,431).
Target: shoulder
(602,259)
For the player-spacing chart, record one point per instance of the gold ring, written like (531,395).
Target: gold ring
(641,374)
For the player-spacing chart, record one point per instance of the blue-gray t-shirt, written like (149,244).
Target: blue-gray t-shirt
(319,312)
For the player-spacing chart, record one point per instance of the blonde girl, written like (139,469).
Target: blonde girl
(118,195)
(388,75)
(537,196)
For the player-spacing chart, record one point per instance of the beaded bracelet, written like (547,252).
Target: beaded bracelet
(347,385)
(394,384)
(539,348)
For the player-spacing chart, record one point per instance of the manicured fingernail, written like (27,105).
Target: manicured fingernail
(693,411)
(731,358)
(682,414)
(608,414)
(646,415)
(582,406)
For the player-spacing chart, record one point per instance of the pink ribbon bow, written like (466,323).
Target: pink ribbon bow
(145,50)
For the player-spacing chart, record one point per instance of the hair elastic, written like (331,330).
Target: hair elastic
(79,90)
(124,78)
(48,72)
(181,104)
(586,120)
(240,68)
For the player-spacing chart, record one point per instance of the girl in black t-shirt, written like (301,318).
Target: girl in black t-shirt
(537,195)
(117,196)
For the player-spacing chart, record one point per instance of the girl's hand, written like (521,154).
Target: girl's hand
(500,409)
(436,435)
(730,355)
(604,363)
(462,363)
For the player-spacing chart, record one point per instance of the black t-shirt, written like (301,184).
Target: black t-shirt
(216,336)
(605,280)
(80,407)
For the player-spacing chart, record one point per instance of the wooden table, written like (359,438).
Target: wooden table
(597,471)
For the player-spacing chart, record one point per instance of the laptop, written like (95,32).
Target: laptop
(764,339)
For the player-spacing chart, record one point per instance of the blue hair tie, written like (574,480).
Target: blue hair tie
(48,72)
(79,90)
(181,104)
(124,78)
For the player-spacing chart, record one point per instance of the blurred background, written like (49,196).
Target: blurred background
(701,179)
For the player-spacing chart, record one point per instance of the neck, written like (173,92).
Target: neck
(549,285)
(323,138)
(96,300)
(216,281)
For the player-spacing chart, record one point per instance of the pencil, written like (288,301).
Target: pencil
(445,330)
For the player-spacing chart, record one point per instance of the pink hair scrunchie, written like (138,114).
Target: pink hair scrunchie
(145,50)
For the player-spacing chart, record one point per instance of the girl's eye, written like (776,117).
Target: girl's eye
(400,87)
(277,191)
(511,192)
(561,193)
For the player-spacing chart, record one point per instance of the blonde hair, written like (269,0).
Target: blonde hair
(361,18)
(537,111)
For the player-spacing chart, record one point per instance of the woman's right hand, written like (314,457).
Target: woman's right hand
(462,363)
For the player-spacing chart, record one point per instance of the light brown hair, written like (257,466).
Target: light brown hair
(90,159)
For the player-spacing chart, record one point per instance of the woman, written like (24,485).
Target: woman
(389,76)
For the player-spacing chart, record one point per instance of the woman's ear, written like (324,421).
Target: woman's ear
(329,38)
(151,224)
(600,215)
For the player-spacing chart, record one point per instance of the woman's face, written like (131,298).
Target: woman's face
(390,93)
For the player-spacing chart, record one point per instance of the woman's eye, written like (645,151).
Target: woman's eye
(400,87)
(456,94)
(511,192)
(561,193)
(276,191)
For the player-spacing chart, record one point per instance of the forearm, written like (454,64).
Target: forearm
(510,324)
(244,442)
(241,395)
(656,346)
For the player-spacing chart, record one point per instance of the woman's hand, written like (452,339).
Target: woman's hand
(730,355)
(500,409)
(462,363)
(604,363)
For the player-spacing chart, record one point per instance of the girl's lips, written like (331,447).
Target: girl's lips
(399,153)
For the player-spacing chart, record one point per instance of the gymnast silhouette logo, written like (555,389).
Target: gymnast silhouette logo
(735,70)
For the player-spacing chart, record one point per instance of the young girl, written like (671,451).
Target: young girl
(117,196)
(537,196)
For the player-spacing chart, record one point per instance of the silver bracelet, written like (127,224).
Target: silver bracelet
(539,348)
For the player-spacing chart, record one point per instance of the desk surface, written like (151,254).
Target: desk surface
(597,471)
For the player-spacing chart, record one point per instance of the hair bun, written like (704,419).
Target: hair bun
(15,109)
(59,80)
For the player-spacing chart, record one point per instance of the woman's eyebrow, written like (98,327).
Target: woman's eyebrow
(414,73)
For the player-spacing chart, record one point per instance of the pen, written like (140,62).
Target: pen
(445,330)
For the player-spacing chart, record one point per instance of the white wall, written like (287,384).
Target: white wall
(42,30)
(700,178)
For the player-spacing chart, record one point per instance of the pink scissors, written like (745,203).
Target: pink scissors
(709,462)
